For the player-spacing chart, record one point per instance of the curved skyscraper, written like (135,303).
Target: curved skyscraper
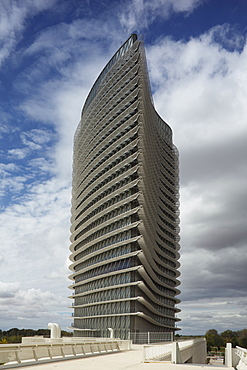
(125,206)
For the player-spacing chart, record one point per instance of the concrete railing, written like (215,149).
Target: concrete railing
(37,352)
(235,357)
(192,351)
(242,354)
(157,352)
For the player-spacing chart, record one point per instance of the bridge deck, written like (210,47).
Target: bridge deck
(127,360)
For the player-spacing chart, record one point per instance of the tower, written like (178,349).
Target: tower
(125,206)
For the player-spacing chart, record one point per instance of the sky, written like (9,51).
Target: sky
(51,52)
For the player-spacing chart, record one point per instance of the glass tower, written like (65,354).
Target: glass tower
(125,206)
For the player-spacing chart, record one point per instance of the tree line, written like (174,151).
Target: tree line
(214,339)
(14,335)
(237,338)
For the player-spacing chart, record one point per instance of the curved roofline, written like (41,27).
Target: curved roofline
(120,52)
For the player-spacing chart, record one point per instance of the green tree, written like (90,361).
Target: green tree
(229,336)
(213,339)
(242,338)
(15,335)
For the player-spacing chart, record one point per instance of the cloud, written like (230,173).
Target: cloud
(31,307)
(36,221)
(12,21)
(228,36)
(37,228)
(35,138)
(41,165)
(59,42)
(11,183)
(12,167)
(16,178)
(138,14)
(18,153)
(199,89)
(220,313)
(8,290)
(4,118)
(58,101)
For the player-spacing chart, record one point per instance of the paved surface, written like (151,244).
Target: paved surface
(127,360)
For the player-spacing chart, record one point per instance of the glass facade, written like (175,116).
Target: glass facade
(125,206)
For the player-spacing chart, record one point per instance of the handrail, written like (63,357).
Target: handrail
(38,352)
(177,352)
(242,354)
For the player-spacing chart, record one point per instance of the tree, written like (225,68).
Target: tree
(229,336)
(242,338)
(15,335)
(213,339)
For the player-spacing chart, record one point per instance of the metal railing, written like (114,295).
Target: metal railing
(150,337)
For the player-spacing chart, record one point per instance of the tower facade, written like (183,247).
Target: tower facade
(125,206)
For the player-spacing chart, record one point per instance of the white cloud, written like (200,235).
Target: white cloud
(30,144)
(138,14)
(11,183)
(13,15)
(200,90)
(41,165)
(59,103)
(4,118)
(18,153)
(59,42)
(195,89)
(8,290)
(37,228)
(37,224)
(228,36)
(9,167)
(31,307)
(35,138)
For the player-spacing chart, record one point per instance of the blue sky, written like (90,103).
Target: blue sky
(51,52)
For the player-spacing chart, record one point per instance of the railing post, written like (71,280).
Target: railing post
(16,355)
(144,354)
(34,353)
(148,337)
(228,355)
(174,352)
(176,356)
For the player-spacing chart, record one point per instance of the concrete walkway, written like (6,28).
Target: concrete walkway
(127,360)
